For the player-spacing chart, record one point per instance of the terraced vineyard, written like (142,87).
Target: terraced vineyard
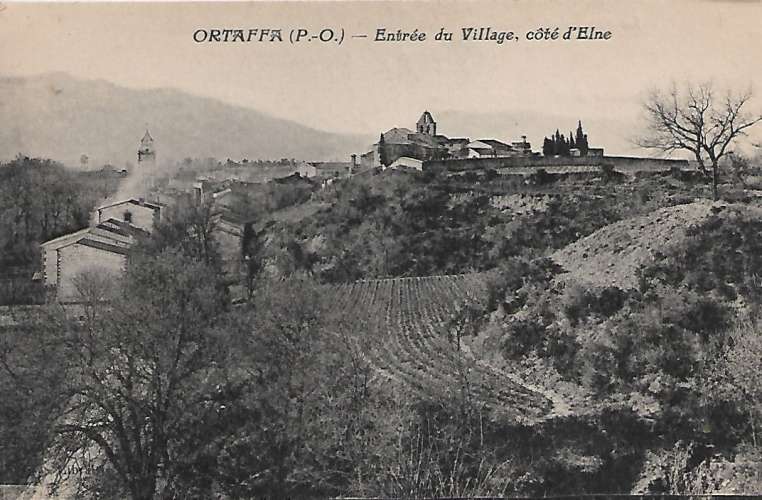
(402,325)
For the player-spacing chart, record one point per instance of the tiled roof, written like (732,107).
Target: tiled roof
(133,201)
(66,239)
(122,227)
(100,245)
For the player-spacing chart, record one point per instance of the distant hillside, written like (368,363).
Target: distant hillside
(60,117)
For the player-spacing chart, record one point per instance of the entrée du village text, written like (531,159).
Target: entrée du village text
(384,34)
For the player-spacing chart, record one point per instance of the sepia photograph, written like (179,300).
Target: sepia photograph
(383,249)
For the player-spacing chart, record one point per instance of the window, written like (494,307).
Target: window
(127,216)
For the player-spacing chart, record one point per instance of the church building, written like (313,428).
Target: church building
(425,144)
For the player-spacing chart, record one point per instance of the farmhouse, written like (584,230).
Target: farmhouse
(101,249)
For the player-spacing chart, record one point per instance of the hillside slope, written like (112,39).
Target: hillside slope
(402,325)
(60,117)
(612,255)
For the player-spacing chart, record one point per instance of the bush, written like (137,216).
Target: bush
(540,177)
(522,337)
(579,302)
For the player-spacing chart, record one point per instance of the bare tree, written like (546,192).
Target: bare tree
(140,368)
(697,119)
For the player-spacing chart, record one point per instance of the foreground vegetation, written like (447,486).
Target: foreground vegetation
(515,380)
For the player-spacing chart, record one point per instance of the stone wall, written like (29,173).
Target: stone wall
(524,165)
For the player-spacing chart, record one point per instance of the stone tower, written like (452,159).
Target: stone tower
(146,170)
(146,152)
(426,124)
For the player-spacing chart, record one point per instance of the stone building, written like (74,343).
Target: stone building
(324,169)
(137,212)
(146,169)
(489,148)
(101,249)
(425,144)
(405,163)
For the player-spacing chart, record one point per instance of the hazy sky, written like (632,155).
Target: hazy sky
(365,86)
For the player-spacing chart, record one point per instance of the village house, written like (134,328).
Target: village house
(489,148)
(324,170)
(137,212)
(406,163)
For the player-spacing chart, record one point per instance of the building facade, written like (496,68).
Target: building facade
(137,212)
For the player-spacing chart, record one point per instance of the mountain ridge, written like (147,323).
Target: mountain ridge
(58,116)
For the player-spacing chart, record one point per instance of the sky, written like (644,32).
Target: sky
(364,86)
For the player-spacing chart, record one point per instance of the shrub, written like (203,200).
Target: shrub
(521,337)
(578,302)
(540,177)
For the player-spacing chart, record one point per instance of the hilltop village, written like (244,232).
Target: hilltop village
(116,224)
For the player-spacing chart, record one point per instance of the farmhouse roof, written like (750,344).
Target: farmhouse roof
(122,228)
(133,201)
(100,245)
(66,239)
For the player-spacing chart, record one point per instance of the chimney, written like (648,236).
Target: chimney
(352,165)
(141,200)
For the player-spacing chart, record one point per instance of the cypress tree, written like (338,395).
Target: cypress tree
(581,139)
(547,147)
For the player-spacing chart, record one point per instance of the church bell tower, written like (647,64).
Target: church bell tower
(146,152)
(146,169)
(426,124)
